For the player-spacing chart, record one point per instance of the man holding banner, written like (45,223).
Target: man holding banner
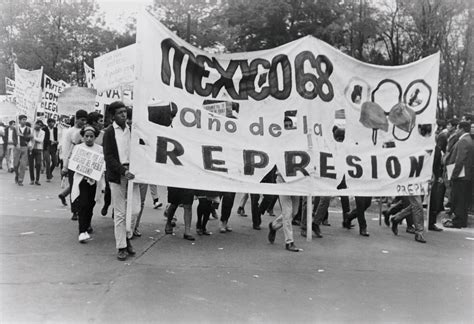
(117,159)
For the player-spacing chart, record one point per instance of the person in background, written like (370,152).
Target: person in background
(35,157)
(20,158)
(71,138)
(415,209)
(50,148)
(117,141)
(362,204)
(9,144)
(2,142)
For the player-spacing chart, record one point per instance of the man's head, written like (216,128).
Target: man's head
(38,124)
(452,123)
(81,118)
(96,119)
(11,124)
(464,126)
(118,110)
(22,120)
(51,122)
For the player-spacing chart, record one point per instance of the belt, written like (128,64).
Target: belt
(126,164)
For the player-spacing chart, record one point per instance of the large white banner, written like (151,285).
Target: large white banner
(49,101)
(115,69)
(280,110)
(27,91)
(9,86)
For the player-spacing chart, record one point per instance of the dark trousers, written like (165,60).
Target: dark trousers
(107,195)
(362,203)
(461,195)
(436,201)
(85,204)
(204,210)
(50,160)
(259,210)
(227,204)
(34,161)
(346,207)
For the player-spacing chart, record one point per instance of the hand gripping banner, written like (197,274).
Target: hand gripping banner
(330,124)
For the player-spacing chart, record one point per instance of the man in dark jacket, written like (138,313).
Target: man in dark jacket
(20,158)
(116,145)
(50,148)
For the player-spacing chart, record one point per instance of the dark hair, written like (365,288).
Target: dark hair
(96,131)
(21,117)
(28,124)
(129,113)
(11,122)
(465,126)
(441,123)
(454,122)
(114,106)
(51,120)
(93,117)
(39,122)
(81,113)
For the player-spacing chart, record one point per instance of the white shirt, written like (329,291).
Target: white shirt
(10,136)
(71,137)
(38,139)
(122,138)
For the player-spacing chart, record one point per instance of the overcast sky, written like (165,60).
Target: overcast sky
(117,11)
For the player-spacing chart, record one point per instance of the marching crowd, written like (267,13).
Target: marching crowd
(39,146)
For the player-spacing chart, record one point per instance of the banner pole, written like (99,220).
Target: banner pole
(309,219)
(380,211)
(128,215)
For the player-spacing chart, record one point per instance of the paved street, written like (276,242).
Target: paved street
(238,277)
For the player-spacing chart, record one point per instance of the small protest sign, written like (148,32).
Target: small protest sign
(87,162)
(115,69)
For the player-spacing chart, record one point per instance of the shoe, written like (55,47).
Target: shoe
(11,170)
(410,229)
(241,212)
(189,237)
(20,184)
(270,212)
(169,228)
(137,233)
(129,248)
(37,183)
(316,230)
(228,228)
(394,226)
(90,230)
(363,232)
(199,231)
(346,223)
(256,227)
(122,254)
(303,233)
(420,238)
(271,233)
(104,210)
(88,237)
(156,204)
(326,223)
(450,225)
(75,217)
(82,238)
(32,183)
(223,227)
(214,214)
(16,179)
(63,199)
(204,232)
(48,180)
(291,247)
(434,228)
(386,217)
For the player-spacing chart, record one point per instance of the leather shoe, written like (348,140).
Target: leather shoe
(74,217)
(364,232)
(410,229)
(122,254)
(137,233)
(104,210)
(291,247)
(130,249)
(257,227)
(271,233)
(386,217)
(420,238)
(394,226)
(316,230)
(63,199)
(169,228)
(189,237)
(434,228)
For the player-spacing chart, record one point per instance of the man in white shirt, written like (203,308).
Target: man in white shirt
(9,144)
(116,145)
(20,158)
(35,157)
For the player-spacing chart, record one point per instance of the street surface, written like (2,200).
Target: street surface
(238,277)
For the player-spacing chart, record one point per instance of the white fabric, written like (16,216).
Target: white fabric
(122,138)
(38,139)
(311,85)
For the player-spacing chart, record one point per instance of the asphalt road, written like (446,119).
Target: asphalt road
(238,277)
